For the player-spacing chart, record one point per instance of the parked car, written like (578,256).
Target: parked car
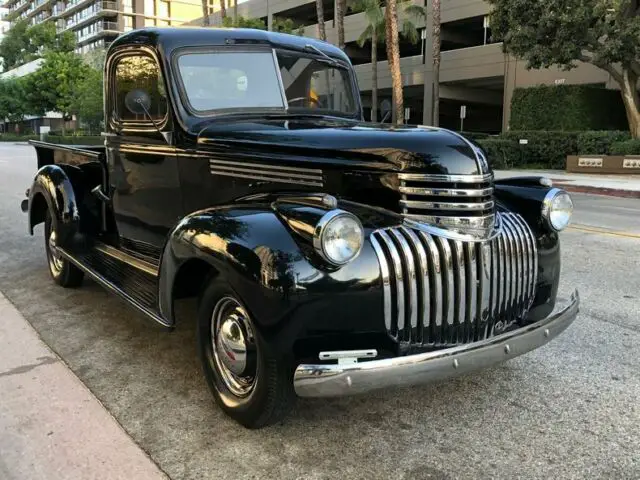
(330,256)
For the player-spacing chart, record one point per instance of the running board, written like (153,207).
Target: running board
(137,286)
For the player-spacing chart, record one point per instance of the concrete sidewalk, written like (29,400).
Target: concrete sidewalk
(612,185)
(51,425)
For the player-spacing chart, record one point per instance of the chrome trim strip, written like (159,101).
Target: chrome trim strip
(263,166)
(266,172)
(436,178)
(411,279)
(463,232)
(337,380)
(386,281)
(523,248)
(397,267)
(447,274)
(534,258)
(509,279)
(269,179)
(126,258)
(517,260)
(472,287)
(340,354)
(495,294)
(503,275)
(446,192)
(465,207)
(424,313)
(435,280)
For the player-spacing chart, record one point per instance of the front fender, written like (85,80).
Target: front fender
(52,189)
(275,274)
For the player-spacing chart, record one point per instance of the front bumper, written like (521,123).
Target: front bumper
(339,380)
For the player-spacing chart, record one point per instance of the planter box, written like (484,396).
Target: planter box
(618,164)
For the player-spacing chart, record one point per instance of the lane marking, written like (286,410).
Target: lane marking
(602,231)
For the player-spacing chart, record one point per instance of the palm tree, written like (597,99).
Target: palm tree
(223,10)
(341,7)
(235,10)
(374,33)
(322,33)
(205,13)
(436,62)
(393,56)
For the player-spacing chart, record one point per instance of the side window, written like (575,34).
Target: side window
(139,72)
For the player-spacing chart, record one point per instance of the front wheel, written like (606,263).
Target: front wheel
(62,271)
(250,382)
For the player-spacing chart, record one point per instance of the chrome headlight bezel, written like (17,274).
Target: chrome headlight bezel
(548,209)
(320,231)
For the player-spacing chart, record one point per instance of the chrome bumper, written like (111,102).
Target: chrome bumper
(339,380)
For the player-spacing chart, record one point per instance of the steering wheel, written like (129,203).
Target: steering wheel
(304,99)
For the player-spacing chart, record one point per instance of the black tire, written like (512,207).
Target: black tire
(271,395)
(63,272)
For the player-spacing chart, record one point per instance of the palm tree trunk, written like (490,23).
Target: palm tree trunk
(235,11)
(322,33)
(341,6)
(223,10)
(205,13)
(393,55)
(374,74)
(436,63)
(631,100)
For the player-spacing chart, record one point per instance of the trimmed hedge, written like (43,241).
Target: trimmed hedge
(599,143)
(567,108)
(545,149)
(67,139)
(629,147)
(501,153)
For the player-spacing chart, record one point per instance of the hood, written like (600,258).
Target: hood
(350,143)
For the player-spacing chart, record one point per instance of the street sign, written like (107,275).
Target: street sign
(524,141)
(407,114)
(463,112)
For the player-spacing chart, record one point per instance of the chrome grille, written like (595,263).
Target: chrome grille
(439,291)
(460,202)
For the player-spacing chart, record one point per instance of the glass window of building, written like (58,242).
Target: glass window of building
(149,22)
(150,7)
(163,9)
(162,23)
(127,6)
(128,23)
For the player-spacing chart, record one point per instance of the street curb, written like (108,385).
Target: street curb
(609,192)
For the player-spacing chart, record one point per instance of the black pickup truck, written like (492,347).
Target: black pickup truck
(330,256)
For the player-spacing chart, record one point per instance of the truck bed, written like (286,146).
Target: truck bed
(50,153)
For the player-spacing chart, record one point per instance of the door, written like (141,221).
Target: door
(143,168)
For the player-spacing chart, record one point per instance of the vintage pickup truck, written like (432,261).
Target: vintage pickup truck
(330,256)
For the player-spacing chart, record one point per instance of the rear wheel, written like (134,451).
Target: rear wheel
(62,271)
(250,382)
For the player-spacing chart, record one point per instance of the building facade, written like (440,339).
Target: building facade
(95,23)
(474,71)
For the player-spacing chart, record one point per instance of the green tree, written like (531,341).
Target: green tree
(87,103)
(54,85)
(12,99)
(242,22)
(605,33)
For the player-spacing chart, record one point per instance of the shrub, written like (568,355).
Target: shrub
(501,153)
(67,139)
(629,147)
(12,137)
(567,108)
(599,142)
(546,149)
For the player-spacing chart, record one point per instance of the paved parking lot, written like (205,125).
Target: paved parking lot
(568,410)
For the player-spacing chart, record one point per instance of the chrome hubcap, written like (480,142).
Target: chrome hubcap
(55,260)
(234,350)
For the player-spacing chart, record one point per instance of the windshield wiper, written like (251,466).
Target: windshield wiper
(330,60)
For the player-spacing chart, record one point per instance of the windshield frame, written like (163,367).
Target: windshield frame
(276,111)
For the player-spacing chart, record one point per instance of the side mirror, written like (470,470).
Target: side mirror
(138,101)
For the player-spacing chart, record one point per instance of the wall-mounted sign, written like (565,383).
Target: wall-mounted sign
(631,163)
(590,162)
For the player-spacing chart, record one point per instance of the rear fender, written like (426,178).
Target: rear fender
(52,189)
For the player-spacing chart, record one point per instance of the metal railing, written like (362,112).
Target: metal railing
(99,28)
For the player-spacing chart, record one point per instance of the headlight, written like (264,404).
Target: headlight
(338,237)
(557,209)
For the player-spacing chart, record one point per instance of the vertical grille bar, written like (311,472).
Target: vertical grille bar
(386,281)
(411,285)
(470,254)
(448,290)
(461,290)
(435,276)
(423,289)
(440,292)
(397,268)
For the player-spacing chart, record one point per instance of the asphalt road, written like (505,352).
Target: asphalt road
(568,410)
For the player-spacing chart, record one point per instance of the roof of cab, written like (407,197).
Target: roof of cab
(170,38)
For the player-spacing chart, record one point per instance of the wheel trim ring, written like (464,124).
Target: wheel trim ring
(228,307)
(55,259)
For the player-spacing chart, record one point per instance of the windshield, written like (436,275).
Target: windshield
(248,80)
